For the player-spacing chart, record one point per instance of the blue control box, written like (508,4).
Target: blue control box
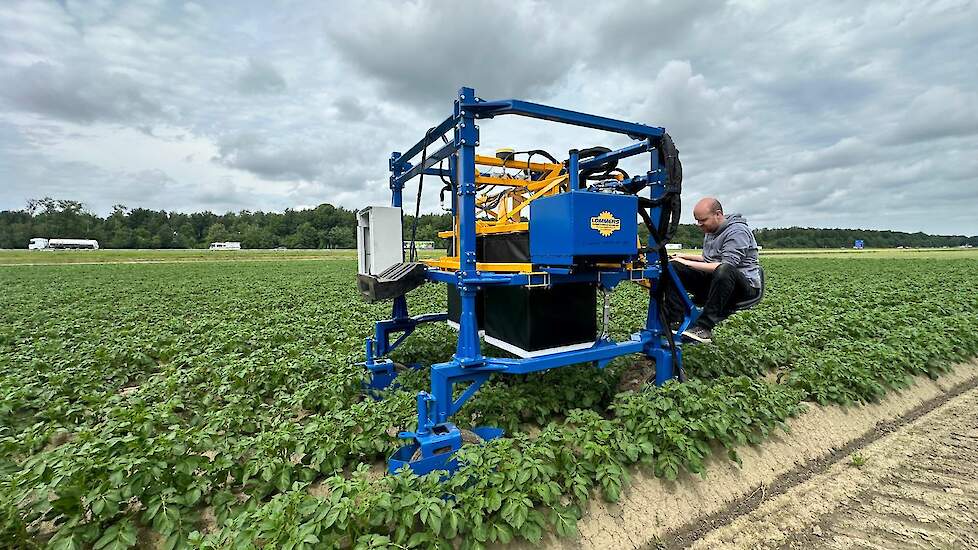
(583,226)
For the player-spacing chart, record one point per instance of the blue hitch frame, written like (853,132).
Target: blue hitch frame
(436,437)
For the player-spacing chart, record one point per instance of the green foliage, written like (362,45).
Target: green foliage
(327,226)
(218,405)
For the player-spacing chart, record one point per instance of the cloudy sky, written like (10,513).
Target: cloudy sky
(825,114)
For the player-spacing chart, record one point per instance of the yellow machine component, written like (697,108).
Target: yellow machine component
(451,263)
(483,227)
(504,207)
(518,164)
(551,185)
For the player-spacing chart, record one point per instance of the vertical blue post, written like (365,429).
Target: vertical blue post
(573,172)
(466,137)
(399,309)
(663,365)
(656,190)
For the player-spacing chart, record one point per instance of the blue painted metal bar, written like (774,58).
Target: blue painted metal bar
(399,309)
(489,109)
(562,359)
(573,172)
(396,187)
(625,152)
(606,278)
(469,392)
(383,330)
(432,136)
(467,351)
(430,161)
(437,172)
(437,437)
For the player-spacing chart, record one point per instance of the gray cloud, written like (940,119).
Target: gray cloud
(279,161)
(850,151)
(260,77)
(940,111)
(78,94)
(423,52)
(796,114)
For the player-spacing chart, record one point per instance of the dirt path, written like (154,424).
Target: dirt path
(657,513)
(916,487)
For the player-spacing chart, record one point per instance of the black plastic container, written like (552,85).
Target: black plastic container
(534,319)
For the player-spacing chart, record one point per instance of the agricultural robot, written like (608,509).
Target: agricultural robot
(534,241)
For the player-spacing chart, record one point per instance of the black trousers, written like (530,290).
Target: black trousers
(715,292)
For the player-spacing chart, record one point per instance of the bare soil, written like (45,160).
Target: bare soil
(656,513)
(914,488)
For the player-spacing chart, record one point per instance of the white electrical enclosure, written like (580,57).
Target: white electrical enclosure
(378,239)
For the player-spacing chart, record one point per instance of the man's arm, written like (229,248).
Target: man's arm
(698,265)
(693,257)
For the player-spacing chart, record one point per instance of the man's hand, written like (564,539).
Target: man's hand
(700,265)
(687,257)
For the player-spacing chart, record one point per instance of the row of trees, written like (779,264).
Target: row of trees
(809,237)
(327,226)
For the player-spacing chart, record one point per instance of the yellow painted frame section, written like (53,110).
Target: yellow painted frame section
(451,263)
(482,228)
(505,216)
(517,164)
(549,185)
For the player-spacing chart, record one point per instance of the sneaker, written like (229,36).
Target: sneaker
(701,335)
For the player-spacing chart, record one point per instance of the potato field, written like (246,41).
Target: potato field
(217,404)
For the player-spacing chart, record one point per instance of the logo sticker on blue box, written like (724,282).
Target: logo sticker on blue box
(605,223)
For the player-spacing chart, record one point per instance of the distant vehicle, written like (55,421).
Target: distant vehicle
(38,243)
(674,246)
(231,245)
(420,245)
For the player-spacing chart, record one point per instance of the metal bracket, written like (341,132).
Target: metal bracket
(537,280)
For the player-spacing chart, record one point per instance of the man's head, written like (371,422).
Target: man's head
(708,214)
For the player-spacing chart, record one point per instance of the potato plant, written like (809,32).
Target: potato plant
(218,405)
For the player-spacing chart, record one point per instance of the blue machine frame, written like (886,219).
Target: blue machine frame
(436,437)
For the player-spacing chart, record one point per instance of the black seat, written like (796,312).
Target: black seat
(397,280)
(751,302)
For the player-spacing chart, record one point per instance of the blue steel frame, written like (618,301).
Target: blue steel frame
(436,436)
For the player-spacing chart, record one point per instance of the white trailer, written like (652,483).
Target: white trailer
(38,243)
(230,245)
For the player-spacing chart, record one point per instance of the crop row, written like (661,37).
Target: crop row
(219,405)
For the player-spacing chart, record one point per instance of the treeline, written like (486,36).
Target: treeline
(810,237)
(327,226)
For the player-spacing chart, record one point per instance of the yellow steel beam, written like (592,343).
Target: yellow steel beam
(518,164)
(482,228)
(503,218)
(451,264)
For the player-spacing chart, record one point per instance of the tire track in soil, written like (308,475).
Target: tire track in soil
(917,487)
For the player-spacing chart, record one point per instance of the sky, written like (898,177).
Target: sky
(815,114)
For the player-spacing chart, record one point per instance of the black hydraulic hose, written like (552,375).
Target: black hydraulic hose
(677,366)
(413,253)
(599,172)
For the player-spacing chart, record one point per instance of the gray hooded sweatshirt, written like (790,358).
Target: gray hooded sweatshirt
(734,244)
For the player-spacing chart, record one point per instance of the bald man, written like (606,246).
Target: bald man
(726,273)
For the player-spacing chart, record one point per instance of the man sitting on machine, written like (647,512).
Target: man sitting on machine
(725,275)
